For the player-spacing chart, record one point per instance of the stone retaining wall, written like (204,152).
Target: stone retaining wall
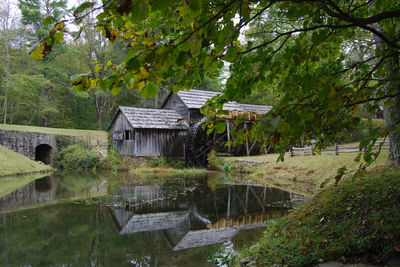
(25,143)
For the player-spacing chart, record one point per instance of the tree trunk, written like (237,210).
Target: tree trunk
(391,112)
(5,110)
(391,115)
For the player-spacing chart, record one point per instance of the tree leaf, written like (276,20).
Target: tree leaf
(220,127)
(58,37)
(150,90)
(83,7)
(48,20)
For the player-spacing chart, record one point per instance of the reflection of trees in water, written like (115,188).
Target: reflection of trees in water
(84,185)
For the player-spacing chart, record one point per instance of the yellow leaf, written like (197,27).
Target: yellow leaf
(144,73)
(140,86)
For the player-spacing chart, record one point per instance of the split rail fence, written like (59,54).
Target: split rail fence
(334,150)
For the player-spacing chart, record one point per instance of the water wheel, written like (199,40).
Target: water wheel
(199,144)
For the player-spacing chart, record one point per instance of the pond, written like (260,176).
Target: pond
(133,220)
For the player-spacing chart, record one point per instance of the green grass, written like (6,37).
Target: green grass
(357,220)
(84,134)
(299,174)
(12,163)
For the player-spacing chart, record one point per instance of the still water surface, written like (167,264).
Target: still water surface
(133,220)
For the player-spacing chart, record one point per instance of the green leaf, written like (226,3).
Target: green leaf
(133,64)
(274,123)
(363,143)
(220,127)
(58,37)
(195,45)
(48,20)
(82,8)
(358,158)
(150,90)
(115,90)
(195,6)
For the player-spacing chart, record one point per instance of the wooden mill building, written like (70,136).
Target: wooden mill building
(163,131)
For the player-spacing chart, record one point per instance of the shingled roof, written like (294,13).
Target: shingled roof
(147,118)
(195,99)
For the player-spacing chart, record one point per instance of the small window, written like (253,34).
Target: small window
(129,135)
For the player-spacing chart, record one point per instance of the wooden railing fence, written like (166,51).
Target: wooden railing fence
(334,150)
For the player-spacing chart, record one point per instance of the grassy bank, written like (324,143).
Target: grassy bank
(168,171)
(84,134)
(358,220)
(12,183)
(300,174)
(12,163)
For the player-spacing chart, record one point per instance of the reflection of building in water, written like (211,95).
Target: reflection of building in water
(195,216)
(39,191)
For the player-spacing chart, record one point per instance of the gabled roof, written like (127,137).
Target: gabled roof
(147,118)
(195,99)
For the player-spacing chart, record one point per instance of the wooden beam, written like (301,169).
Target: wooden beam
(252,146)
(258,199)
(247,141)
(229,202)
(228,134)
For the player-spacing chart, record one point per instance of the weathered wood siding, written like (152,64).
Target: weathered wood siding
(175,103)
(160,142)
(147,142)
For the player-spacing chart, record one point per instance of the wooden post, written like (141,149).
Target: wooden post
(291,152)
(184,152)
(229,203)
(247,198)
(228,134)
(247,142)
(336,149)
(311,150)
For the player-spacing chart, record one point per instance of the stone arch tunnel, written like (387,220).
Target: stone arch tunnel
(43,153)
(36,146)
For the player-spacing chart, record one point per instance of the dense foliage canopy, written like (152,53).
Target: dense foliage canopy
(322,59)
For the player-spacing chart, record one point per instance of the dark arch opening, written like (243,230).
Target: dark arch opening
(43,184)
(43,153)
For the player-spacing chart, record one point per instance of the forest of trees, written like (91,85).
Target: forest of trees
(40,92)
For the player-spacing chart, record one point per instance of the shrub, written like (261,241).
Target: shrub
(62,142)
(76,157)
(155,162)
(112,161)
(214,162)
